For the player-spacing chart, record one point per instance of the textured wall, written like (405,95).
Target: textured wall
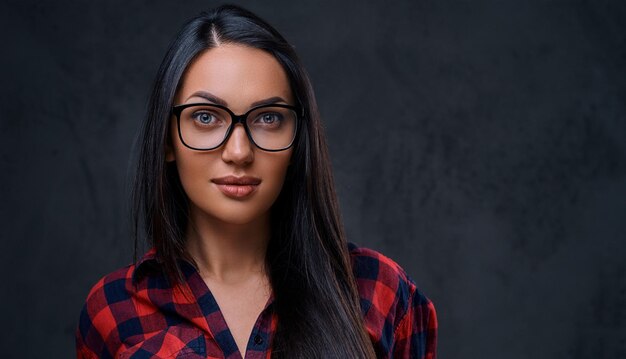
(481,144)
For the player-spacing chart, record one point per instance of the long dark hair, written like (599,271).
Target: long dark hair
(315,294)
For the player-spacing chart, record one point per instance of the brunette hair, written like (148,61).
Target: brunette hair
(315,294)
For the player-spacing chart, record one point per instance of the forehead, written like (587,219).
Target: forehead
(237,74)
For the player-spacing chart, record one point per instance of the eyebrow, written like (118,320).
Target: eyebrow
(268,101)
(209,97)
(218,101)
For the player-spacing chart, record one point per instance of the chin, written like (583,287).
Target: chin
(238,220)
(241,213)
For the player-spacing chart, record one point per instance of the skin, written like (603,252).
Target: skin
(228,237)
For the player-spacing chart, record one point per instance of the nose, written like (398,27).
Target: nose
(238,148)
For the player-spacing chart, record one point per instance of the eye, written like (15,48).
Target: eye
(269,118)
(204,118)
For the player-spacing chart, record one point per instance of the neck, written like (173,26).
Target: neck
(227,252)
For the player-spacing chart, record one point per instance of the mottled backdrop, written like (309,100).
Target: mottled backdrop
(481,144)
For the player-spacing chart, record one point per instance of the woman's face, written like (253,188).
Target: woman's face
(238,76)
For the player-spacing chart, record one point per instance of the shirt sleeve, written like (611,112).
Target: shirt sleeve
(82,351)
(89,342)
(96,321)
(416,334)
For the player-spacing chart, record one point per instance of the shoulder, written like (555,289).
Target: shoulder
(111,311)
(381,279)
(395,310)
(108,303)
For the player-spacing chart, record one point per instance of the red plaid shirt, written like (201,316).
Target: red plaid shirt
(134,313)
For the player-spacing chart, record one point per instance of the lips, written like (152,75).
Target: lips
(237,187)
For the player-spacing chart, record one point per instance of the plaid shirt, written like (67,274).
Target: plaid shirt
(134,313)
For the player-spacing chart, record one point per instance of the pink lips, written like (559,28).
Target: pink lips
(237,187)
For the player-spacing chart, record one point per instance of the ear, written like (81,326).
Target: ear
(169,152)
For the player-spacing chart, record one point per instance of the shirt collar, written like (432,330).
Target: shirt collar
(145,265)
(149,264)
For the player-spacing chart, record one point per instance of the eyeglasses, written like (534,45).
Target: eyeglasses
(204,127)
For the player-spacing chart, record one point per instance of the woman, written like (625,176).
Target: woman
(234,193)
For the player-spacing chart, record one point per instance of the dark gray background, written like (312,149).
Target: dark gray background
(480,144)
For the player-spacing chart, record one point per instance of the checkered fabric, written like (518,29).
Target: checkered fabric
(134,313)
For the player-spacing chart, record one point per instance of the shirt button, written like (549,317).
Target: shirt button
(258,339)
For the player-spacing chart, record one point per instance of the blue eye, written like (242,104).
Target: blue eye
(269,118)
(204,118)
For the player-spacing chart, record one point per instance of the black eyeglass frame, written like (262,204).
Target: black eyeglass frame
(235,119)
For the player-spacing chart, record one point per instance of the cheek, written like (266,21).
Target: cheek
(275,169)
(192,166)
(274,175)
(194,172)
